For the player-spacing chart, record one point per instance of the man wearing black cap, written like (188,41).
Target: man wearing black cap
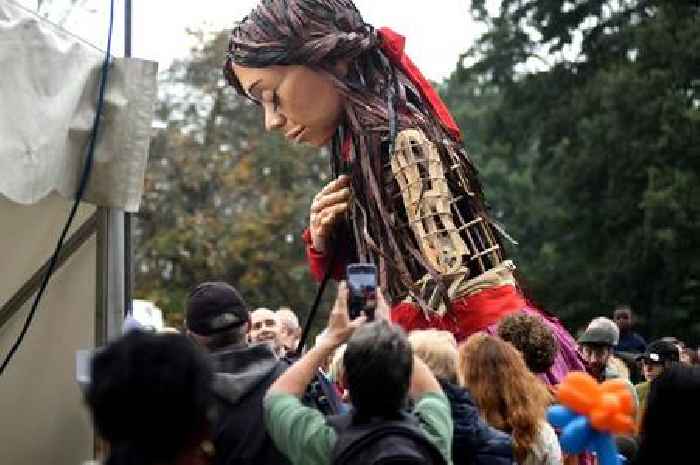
(218,319)
(659,355)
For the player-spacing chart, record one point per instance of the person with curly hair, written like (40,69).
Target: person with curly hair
(406,195)
(532,337)
(510,397)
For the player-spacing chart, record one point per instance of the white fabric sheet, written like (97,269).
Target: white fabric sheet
(49,82)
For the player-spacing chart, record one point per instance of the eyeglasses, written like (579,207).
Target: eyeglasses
(268,323)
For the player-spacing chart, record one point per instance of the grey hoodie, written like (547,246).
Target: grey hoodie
(242,377)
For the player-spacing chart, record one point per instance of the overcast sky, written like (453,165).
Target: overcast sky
(437,31)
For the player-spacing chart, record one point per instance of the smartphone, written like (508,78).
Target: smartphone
(362,289)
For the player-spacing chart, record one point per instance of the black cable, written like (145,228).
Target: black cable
(87,169)
(128,217)
(317,301)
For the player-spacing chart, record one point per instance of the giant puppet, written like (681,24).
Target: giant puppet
(409,198)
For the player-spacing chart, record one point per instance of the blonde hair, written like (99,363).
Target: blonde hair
(509,396)
(438,350)
(288,318)
(336,370)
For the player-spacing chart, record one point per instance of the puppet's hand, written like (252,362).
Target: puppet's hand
(328,207)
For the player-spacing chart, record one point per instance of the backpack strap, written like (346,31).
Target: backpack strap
(340,423)
(402,438)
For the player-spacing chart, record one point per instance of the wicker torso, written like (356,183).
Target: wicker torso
(445,240)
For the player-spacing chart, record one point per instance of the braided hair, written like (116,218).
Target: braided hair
(380,101)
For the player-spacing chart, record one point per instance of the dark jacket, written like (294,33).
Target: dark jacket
(242,378)
(320,394)
(631,342)
(475,442)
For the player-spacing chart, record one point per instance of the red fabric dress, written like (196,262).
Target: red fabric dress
(467,315)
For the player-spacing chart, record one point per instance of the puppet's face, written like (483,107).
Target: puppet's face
(301,103)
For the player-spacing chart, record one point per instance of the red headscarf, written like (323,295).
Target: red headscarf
(393,45)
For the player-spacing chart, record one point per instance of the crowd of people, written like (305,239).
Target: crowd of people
(235,389)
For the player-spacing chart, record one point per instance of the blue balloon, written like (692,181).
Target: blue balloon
(576,435)
(606,449)
(559,416)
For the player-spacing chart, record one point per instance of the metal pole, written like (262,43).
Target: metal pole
(114,252)
(128,220)
(127,28)
(110,274)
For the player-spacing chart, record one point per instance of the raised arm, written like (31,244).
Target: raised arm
(340,328)
(422,380)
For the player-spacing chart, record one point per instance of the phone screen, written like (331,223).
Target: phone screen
(362,287)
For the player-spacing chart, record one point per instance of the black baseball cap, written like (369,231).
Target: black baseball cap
(215,307)
(661,351)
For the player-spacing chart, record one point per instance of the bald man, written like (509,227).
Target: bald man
(265,328)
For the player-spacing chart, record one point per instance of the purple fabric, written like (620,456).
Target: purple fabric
(567,358)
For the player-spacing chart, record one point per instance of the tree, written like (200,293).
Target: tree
(592,160)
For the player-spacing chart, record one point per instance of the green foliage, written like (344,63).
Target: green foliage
(593,161)
(223,199)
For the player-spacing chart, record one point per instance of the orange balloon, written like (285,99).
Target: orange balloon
(600,420)
(575,400)
(614,385)
(579,392)
(621,389)
(610,403)
(609,406)
(627,403)
(582,380)
(622,424)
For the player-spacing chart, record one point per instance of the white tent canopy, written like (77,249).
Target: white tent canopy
(48,94)
(48,90)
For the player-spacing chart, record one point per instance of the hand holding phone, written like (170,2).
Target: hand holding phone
(340,326)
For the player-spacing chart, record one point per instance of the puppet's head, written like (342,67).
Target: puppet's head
(316,33)
(299,53)
(336,48)
(323,75)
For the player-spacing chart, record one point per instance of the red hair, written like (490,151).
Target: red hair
(510,397)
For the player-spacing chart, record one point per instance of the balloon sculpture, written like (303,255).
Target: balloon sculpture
(590,414)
